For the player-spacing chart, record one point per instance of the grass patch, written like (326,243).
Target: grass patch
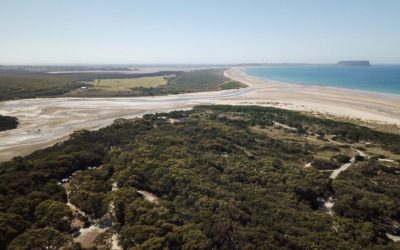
(17,84)
(129,83)
(203,80)
(232,85)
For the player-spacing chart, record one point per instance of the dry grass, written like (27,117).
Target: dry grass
(118,85)
(285,135)
(377,151)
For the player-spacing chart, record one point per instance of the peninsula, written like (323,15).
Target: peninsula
(362,63)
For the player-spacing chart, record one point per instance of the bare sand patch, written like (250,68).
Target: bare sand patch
(88,236)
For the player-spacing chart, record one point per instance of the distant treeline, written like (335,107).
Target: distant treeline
(62,68)
(182,82)
(17,84)
(22,84)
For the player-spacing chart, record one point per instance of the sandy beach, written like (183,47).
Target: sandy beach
(367,106)
(45,121)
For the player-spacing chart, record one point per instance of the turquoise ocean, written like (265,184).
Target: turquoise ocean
(377,78)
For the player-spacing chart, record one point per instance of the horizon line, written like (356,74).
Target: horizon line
(180,64)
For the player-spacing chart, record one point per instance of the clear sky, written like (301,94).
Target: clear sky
(198,31)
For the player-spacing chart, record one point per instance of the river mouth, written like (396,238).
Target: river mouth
(46,121)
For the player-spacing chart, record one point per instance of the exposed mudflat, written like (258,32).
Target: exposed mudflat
(45,121)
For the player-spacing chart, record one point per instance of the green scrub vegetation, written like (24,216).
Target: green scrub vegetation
(19,84)
(8,122)
(220,182)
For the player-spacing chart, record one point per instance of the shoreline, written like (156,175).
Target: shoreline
(46,121)
(368,106)
(245,75)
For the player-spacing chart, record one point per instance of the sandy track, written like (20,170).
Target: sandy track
(45,121)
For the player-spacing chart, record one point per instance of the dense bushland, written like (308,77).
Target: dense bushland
(8,122)
(220,185)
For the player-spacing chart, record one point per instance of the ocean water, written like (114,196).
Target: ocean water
(377,78)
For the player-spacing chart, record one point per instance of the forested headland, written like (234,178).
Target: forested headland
(215,177)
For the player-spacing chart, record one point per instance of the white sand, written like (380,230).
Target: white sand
(149,196)
(342,168)
(393,237)
(88,236)
(45,121)
(114,242)
(368,106)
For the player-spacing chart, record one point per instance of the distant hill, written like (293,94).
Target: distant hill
(268,64)
(354,63)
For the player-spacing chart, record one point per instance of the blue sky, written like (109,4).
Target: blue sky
(195,32)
